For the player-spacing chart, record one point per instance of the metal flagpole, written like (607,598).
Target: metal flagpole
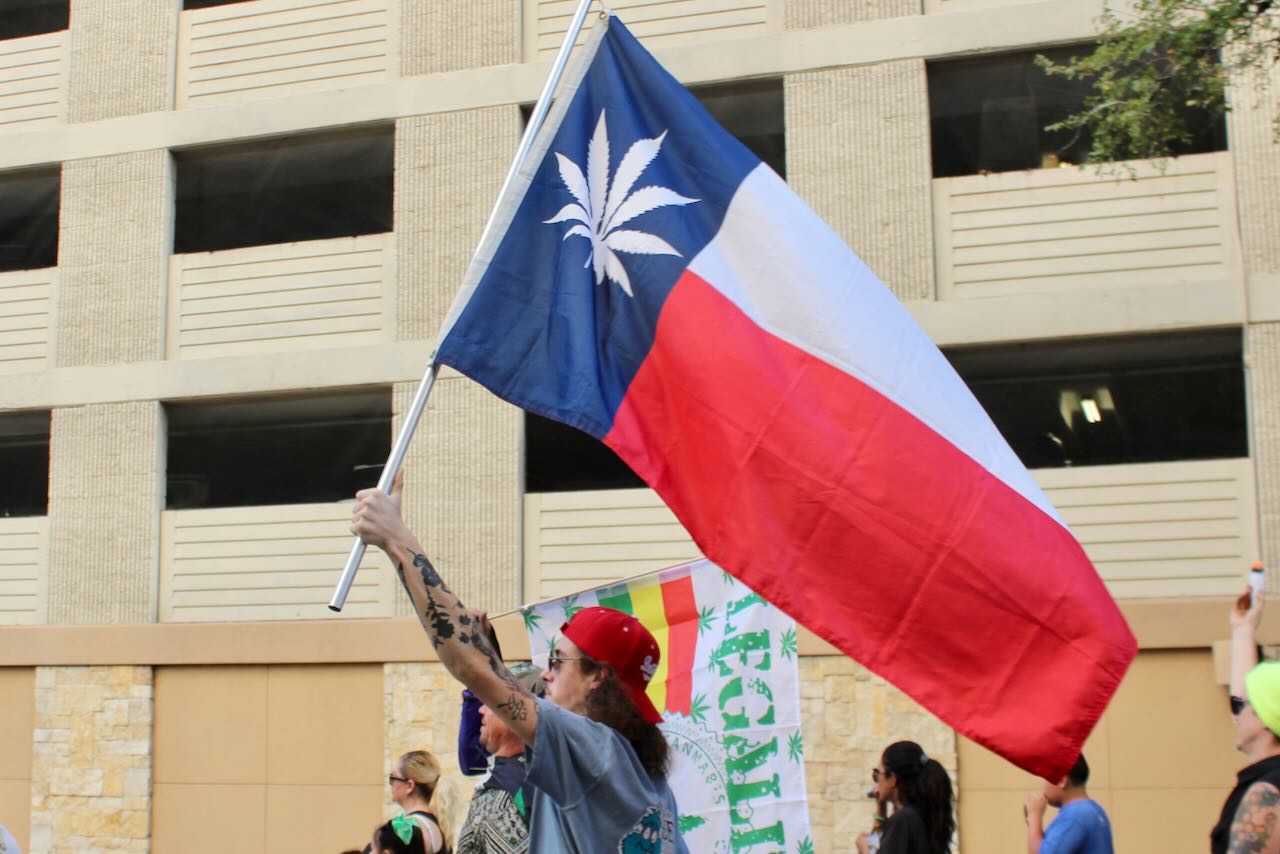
(414,415)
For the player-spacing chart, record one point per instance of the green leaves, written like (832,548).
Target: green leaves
(787,646)
(1161,75)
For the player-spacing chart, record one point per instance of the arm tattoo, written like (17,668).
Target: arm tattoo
(514,708)
(441,625)
(430,577)
(1255,821)
(447,619)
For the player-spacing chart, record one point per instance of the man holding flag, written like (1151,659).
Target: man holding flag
(599,760)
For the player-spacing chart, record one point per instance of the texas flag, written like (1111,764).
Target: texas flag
(650,281)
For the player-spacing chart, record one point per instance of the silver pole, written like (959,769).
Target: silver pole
(414,415)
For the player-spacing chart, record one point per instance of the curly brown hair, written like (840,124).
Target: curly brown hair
(609,704)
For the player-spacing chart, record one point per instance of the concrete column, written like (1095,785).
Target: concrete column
(858,153)
(114,245)
(463,491)
(1262,361)
(449,169)
(803,14)
(91,770)
(122,57)
(1257,163)
(106,487)
(448,35)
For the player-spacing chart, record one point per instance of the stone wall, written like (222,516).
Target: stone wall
(849,716)
(91,768)
(422,705)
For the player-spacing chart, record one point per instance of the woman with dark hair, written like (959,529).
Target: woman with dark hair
(920,791)
(401,835)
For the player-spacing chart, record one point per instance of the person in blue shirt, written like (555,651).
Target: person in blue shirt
(1081,826)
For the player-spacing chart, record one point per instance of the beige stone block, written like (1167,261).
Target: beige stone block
(105,495)
(448,35)
(804,14)
(121,58)
(470,452)
(114,246)
(858,153)
(448,171)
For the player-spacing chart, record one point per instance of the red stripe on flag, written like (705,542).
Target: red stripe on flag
(682,625)
(855,518)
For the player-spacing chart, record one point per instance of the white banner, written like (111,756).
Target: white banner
(728,688)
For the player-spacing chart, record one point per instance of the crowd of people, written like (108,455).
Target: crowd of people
(575,762)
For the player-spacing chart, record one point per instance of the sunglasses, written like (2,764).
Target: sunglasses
(1238,704)
(392,779)
(554,662)
(876,776)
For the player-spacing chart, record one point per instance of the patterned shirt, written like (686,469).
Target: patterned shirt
(494,824)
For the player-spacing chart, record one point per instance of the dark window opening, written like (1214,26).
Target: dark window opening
(285,190)
(752,111)
(22,18)
(1153,398)
(989,114)
(296,450)
(560,458)
(24,459)
(205,4)
(29,219)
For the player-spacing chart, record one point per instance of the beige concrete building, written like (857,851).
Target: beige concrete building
(229,231)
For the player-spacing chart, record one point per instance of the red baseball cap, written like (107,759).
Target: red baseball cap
(621,641)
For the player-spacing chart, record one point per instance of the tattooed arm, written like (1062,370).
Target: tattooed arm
(459,638)
(1255,830)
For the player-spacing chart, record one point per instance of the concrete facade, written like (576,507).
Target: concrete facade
(105,492)
(141,728)
(122,54)
(114,250)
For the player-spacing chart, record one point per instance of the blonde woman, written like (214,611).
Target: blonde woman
(413,788)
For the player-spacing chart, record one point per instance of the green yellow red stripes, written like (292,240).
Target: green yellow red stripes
(669,610)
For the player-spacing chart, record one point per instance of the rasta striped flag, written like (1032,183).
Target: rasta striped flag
(669,610)
(727,685)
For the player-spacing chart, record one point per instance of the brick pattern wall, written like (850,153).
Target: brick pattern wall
(448,171)
(114,246)
(850,716)
(858,153)
(448,35)
(122,57)
(91,769)
(105,490)
(803,14)
(462,493)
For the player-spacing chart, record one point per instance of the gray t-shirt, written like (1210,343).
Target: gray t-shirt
(591,794)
